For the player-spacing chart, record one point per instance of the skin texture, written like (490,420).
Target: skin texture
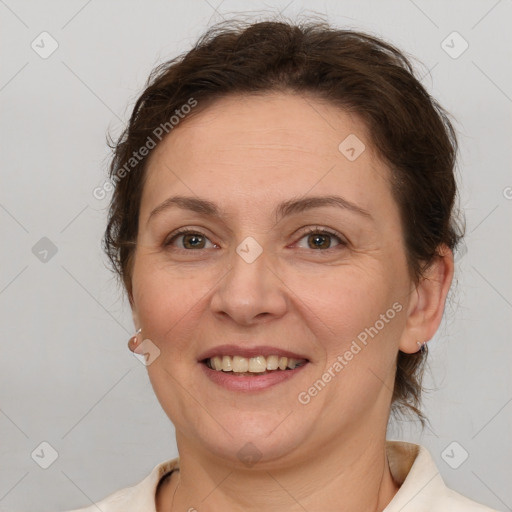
(247,154)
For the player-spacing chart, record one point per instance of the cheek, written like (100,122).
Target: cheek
(160,301)
(169,303)
(359,312)
(352,297)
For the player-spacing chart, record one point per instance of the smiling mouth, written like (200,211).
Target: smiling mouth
(253,366)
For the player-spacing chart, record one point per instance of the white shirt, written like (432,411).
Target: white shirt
(422,488)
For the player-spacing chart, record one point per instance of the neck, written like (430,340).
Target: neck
(352,478)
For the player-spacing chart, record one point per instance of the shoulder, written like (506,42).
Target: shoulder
(140,496)
(422,487)
(453,501)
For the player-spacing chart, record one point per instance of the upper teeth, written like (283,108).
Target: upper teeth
(257,364)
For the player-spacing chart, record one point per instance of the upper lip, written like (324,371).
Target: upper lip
(248,352)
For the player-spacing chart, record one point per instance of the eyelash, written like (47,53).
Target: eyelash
(186,231)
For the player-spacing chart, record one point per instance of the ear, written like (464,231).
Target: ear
(129,295)
(428,298)
(135,317)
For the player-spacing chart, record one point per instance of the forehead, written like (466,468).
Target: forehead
(274,120)
(272,144)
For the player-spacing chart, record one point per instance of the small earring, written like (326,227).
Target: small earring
(423,346)
(134,340)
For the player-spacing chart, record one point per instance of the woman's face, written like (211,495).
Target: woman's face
(250,280)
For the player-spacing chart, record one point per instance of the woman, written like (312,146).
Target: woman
(283,224)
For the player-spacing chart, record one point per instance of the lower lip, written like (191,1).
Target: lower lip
(245,383)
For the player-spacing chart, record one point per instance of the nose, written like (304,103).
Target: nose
(251,291)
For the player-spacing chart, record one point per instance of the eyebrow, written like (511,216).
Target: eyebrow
(284,209)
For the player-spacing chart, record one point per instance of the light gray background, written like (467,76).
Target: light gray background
(66,375)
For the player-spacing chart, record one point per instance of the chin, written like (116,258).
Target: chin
(248,438)
(253,452)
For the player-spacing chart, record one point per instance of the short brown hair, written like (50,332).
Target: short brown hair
(355,71)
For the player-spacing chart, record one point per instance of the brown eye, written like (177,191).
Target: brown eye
(189,240)
(194,240)
(321,239)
